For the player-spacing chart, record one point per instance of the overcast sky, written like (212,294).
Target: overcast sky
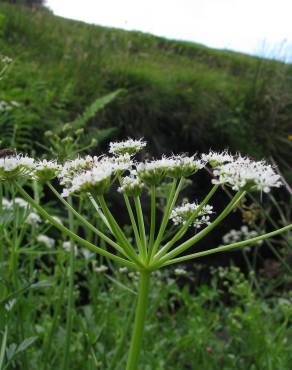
(262,27)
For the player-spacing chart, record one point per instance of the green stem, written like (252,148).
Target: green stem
(98,210)
(169,206)
(153,220)
(118,232)
(225,248)
(185,227)
(140,219)
(70,234)
(190,242)
(85,222)
(70,306)
(141,309)
(134,224)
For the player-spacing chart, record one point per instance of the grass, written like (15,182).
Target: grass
(208,98)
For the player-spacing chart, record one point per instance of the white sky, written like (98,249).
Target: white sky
(262,27)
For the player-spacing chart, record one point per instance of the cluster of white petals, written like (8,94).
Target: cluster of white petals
(129,146)
(244,173)
(45,170)
(181,214)
(215,158)
(45,240)
(243,233)
(13,166)
(131,186)
(33,219)
(9,204)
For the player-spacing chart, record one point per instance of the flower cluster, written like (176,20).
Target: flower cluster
(216,159)
(96,174)
(46,241)
(243,233)
(13,166)
(129,146)
(181,214)
(131,186)
(244,173)
(45,170)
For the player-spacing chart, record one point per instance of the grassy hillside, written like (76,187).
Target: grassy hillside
(182,96)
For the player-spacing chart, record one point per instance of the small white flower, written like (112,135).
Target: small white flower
(46,170)
(129,146)
(180,272)
(216,159)
(243,172)
(243,233)
(101,269)
(184,166)
(131,186)
(21,202)
(13,166)
(181,214)
(6,204)
(33,219)
(56,218)
(45,240)
(67,247)
(87,254)
(123,270)
(152,172)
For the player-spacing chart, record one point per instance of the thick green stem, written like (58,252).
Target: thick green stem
(141,309)
(153,220)
(70,305)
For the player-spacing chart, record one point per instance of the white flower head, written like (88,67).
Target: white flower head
(216,159)
(184,166)
(13,166)
(96,180)
(45,240)
(67,247)
(33,219)
(75,167)
(245,173)
(243,233)
(181,214)
(46,170)
(131,186)
(180,272)
(153,172)
(129,146)
(101,269)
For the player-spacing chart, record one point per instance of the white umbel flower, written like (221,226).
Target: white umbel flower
(131,186)
(129,146)
(243,233)
(245,173)
(33,219)
(216,159)
(75,167)
(101,269)
(153,172)
(184,166)
(181,214)
(45,240)
(97,180)
(14,166)
(46,170)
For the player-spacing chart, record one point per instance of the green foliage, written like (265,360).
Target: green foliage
(186,96)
